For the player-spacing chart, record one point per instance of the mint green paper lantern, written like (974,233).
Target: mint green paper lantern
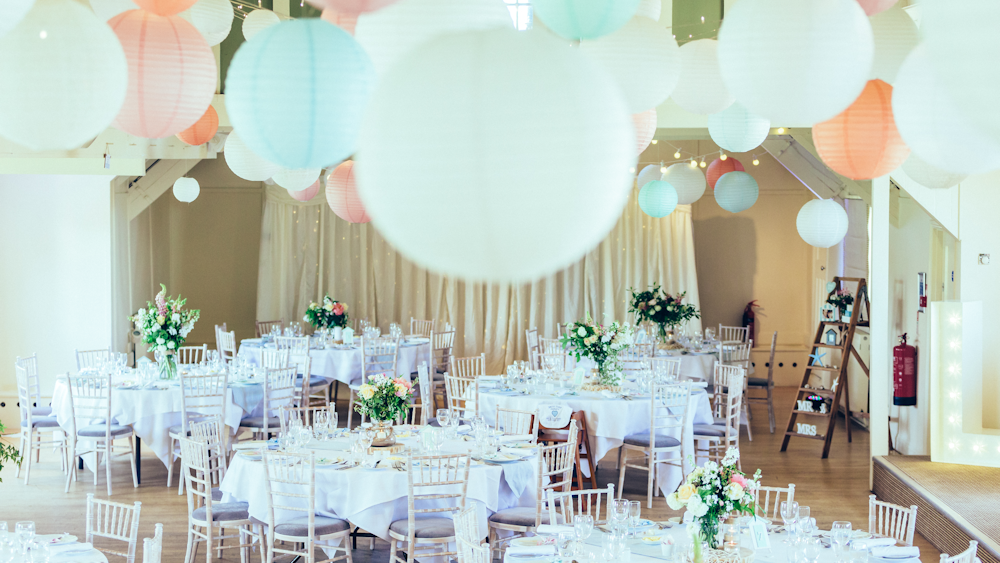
(736,191)
(584,19)
(296,94)
(658,198)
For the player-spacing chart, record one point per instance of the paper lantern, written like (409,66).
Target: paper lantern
(822,223)
(393,32)
(212,18)
(736,129)
(164,7)
(203,130)
(244,163)
(931,124)
(497,101)
(687,180)
(186,189)
(306,194)
(650,9)
(720,167)
(645,128)
(172,74)
(297,179)
(795,62)
(587,19)
(644,59)
(648,174)
(12,12)
(658,199)
(700,88)
(929,176)
(107,9)
(862,142)
(352,6)
(323,79)
(872,7)
(347,22)
(64,76)
(342,194)
(257,21)
(736,191)
(895,35)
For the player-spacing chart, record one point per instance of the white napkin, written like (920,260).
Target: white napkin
(60,549)
(873,542)
(610,394)
(894,552)
(549,529)
(547,549)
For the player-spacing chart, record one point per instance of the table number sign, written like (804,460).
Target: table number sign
(348,336)
(758,534)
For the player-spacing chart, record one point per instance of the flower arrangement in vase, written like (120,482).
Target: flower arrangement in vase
(713,492)
(666,311)
(328,315)
(164,325)
(841,299)
(384,399)
(599,343)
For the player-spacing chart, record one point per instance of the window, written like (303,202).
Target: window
(520,12)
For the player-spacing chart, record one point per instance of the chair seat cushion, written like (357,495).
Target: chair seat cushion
(216,494)
(425,527)
(759,382)
(42,422)
(41,411)
(434,422)
(710,430)
(175,431)
(224,512)
(299,527)
(314,380)
(522,516)
(258,422)
(642,439)
(98,430)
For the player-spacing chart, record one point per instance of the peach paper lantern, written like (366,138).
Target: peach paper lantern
(720,167)
(171,74)
(645,128)
(342,194)
(872,7)
(352,6)
(165,7)
(862,142)
(306,194)
(342,20)
(203,130)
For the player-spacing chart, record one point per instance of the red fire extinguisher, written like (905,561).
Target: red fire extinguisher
(904,374)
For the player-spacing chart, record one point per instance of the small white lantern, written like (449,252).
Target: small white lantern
(895,36)
(689,181)
(736,129)
(244,163)
(296,180)
(648,174)
(213,18)
(736,191)
(701,89)
(822,223)
(257,21)
(186,189)
(929,176)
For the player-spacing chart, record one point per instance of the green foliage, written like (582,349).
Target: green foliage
(8,453)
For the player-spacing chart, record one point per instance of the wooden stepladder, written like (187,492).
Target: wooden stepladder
(832,335)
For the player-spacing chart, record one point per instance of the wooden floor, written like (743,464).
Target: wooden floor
(836,488)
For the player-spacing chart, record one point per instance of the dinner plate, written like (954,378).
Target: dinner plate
(416,341)
(326,461)
(249,455)
(644,523)
(56,539)
(533,541)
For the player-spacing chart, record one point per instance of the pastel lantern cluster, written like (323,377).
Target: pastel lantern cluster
(203,130)
(244,163)
(737,129)
(586,19)
(687,180)
(645,129)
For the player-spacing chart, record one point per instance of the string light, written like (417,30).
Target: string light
(677,154)
(756,162)
(703,163)
(694,163)
(722,156)
(663,168)
(654,141)
(781,130)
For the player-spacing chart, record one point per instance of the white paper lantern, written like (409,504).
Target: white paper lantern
(244,163)
(689,181)
(257,21)
(736,129)
(929,176)
(186,189)
(558,158)
(795,62)
(644,59)
(12,12)
(822,223)
(650,9)
(736,191)
(64,77)
(107,9)
(645,129)
(895,36)
(213,18)
(296,180)
(648,174)
(701,89)
(394,31)
(931,124)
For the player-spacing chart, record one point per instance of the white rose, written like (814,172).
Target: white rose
(657,308)
(734,491)
(172,331)
(581,331)
(305,319)
(170,345)
(176,317)
(160,341)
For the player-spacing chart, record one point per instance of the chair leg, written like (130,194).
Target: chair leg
(770,409)
(392,549)
(622,462)
(107,464)
(652,472)
(350,411)
(189,556)
(27,458)
(131,459)
(746,408)
(170,461)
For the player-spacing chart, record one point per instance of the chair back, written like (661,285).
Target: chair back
(735,353)
(531,337)
(767,501)
(152,548)
(227,346)
(307,415)
(426,392)
(191,354)
(469,544)
(30,365)
(435,474)
(967,556)
(290,484)
(198,475)
(264,327)
(113,521)
(550,346)
(203,397)
(635,358)
(523,424)
(473,366)
(279,390)
(380,356)
(212,431)
(421,327)
(561,329)
(298,350)
(668,409)
(595,503)
(442,347)
(891,520)
(24,401)
(555,469)
(669,367)
(733,333)
(218,329)
(89,400)
(92,358)
(733,402)
(559,360)
(272,358)
(460,392)
(722,384)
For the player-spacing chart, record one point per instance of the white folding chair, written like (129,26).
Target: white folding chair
(89,400)
(892,520)
(202,396)
(379,356)
(113,521)
(33,426)
(92,358)
(445,479)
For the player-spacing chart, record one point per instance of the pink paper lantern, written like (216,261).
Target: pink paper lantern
(872,7)
(645,128)
(171,74)
(306,194)
(340,19)
(165,7)
(342,194)
(352,6)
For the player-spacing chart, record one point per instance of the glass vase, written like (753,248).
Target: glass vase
(382,434)
(168,367)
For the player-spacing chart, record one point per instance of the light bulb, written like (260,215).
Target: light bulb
(781,130)
(703,164)
(654,141)
(723,156)
(677,154)
(694,163)
(756,162)
(663,170)
(632,170)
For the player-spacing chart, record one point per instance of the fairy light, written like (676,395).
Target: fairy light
(654,141)
(781,130)
(722,156)
(694,163)
(677,154)
(663,168)
(756,162)
(703,163)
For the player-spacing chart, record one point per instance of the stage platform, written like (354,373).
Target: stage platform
(957,503)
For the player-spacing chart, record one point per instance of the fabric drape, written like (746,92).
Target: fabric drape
(306,251)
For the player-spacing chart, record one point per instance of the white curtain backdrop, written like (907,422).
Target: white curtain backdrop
(306,250)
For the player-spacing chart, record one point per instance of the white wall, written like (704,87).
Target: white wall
(55,284)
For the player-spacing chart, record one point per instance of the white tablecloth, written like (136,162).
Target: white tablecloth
(609,421)
(693,366)
(344,365)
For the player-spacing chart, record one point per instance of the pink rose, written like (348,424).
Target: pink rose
(338,309)
(740,480)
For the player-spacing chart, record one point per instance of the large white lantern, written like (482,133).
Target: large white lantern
(931,124)
(244,163)
(929,176)
(558,158)
(392,32)
(644,59)
(107,9)
(12,12)
(689,181)
(701,89)
(736,191)
(822,223)
(213,18)
(257,21)
(796,62)
(650,9)
(63,75)
(648,174)
(584,19)
(645,129)
(736,129)
(895,36)
(186,189)
(296,180)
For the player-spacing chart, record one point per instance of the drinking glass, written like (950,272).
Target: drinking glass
(442,417)
(564,545)
(39,552)
(453,423)
(333,421)
(25,531)
(634,511)
(802,520)
(583,525)
(789,512)
(840,535)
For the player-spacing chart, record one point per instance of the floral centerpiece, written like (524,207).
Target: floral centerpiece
(384,399)
(713,492)
(599,343)
(328,315)
(666,311)
(164,325)
(840,299)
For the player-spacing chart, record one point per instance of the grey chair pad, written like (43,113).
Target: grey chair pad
(642,439)
(710,430)
(299,527)
(99,430)
(522,516)
(41,411)
(224,512)
(425,527)
(258,422)
(42,422)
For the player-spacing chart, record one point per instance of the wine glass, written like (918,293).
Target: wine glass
(583,525)
(802,520)
(634,511)
(789,511)
(443,416)
(25,531)
(840,535)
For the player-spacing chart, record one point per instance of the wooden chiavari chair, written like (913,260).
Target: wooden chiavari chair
(733,333)
(90,399)
(192,354)
(421,327)
(113,521)
(473,366)
(202,397)
(522,424)
(263,328)
(434,474)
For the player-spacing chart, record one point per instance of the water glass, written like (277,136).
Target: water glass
(39,552)
(634,511)
(802,520)
(583,525)
(564,545)
(25,531)
(840,535)
(442,417)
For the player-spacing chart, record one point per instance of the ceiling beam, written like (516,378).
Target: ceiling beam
(798,155)
(158,179)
